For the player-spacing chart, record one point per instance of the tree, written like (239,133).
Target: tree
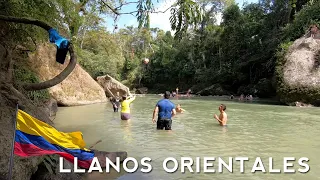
(60,77)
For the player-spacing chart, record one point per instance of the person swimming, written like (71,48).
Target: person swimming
(179,109)
(223,117)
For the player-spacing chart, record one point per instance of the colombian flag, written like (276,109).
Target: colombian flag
(36,138)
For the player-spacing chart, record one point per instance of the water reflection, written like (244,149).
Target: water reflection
(126,127)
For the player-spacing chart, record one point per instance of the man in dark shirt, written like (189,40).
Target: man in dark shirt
(165,110)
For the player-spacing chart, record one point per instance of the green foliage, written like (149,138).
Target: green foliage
(101,54)
(237,56)
(36,9)
(303,19)
(25,75)
(264,88)
(184,14)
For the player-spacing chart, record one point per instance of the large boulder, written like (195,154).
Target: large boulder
(78,88)
(108,83)
(298,73)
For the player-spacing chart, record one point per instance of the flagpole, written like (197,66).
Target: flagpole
(13,141)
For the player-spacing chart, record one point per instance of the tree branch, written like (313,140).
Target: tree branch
(60,77)
(26,21)
(126,3)
(119,13)
(57,79)
(112,9)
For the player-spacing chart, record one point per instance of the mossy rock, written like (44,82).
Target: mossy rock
(297,71)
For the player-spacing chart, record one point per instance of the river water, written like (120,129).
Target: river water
(254,130)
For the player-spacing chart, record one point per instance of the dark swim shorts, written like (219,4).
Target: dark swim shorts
(164,123)
(125,116)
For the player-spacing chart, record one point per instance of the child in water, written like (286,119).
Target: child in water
(179,109)
(223,117)
(115,103)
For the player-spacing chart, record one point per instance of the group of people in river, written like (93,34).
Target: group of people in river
(163,112)
(243,97)
(176,93)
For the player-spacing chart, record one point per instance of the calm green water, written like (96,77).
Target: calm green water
(254,130)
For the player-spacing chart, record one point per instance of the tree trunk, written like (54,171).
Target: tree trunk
(60,77)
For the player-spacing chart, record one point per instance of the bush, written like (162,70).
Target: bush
(24,75)
(264,88)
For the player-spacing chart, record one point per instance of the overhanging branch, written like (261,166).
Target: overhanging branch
(60,77)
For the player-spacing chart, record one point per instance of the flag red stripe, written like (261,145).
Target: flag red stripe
(27,150)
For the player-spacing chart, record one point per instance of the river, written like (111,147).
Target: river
(254,130)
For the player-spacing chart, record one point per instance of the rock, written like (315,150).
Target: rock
(298,73)
(142,90)
(78,88)
(43,173)
(107,82)
(101,155)
(51,107)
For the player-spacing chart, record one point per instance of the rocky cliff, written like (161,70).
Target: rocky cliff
(77,89)
(298,72)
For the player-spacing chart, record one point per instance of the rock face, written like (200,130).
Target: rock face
(78,88)
(298,72)
(109,83)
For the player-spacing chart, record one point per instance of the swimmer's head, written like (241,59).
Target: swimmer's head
(178,106)
(222,107)
(167,95)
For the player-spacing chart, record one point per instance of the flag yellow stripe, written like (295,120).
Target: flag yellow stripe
(30,125)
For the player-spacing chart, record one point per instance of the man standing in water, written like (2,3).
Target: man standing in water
(125,107)
(223,117)
(165,110)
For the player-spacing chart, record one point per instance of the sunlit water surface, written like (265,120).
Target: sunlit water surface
(254,130)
